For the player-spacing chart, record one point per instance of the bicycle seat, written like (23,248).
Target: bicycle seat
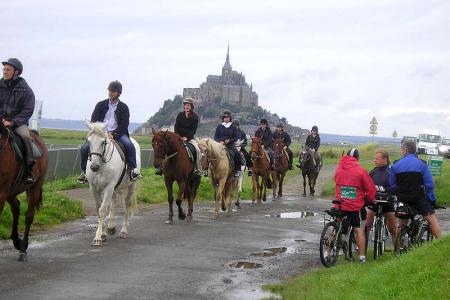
(334,212)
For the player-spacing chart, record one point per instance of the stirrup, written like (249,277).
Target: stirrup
(82,178)
(205,173)
(237,173)
(250,172)
(135,175)
(29,179)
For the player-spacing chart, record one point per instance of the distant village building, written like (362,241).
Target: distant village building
(230,87)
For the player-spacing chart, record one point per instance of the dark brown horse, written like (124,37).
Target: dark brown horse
(261,168)
(11,186)
(170,156)
(281,167)
(309,170)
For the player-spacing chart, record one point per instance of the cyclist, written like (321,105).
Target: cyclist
(353,186)
(413,183)
(380,176)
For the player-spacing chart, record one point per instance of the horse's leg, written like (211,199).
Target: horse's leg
(304,184)
(34,196)
(255,188)
(219,197)
(111,229)
(313,184)
(194,187)
(105,198)
(239,188)
(265,182)
(180,197)
(274,185)
(169,187)
(15,210)
(131,191)
(280,186)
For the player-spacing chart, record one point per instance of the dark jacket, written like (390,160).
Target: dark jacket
(186,127)
(284,135)
(380,177)
(16,101)
(313,142)
(266,136)
(122,116)
(240,135)
(411,179)
(222,133)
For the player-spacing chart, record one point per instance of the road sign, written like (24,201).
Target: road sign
(374,121)
(435,164)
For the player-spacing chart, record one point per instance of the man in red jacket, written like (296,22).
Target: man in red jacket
(353,187)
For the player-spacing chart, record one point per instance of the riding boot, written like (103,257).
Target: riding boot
(28,178)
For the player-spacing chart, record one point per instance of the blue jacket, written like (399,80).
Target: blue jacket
(122,116)
(223,133)
(380,176)
(411,179)
(16,101)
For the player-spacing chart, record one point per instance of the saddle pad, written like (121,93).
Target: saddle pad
(19,148)
(230,158)
(266,154)
(121,149)
(286,154)
(191,151)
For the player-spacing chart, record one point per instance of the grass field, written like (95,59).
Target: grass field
(420,274)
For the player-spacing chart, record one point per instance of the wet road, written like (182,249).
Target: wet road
(180,261)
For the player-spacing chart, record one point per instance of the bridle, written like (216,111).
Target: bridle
(105,142)
(256,154)
(278,154)
(163,155)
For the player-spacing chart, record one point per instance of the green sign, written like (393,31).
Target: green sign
(348,192)
(435,164)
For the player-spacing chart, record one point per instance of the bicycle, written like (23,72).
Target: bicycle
(380,231)
(415,232)
(337,235)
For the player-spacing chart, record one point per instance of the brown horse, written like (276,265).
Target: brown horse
(11,186)
(261,168)
(170,156)
(309,169)
(281,167)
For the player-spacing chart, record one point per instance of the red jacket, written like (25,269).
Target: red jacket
(353,185)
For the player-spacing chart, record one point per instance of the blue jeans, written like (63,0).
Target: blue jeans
(130,153)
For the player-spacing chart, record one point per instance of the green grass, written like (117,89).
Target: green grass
(56,208)
(420,274)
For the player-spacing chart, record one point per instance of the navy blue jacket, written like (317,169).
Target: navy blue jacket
(223,133)
(16,101)
(266,136)
(380,177)
(313,142)
(284,135)
(411,179)
(240,135)
(122,116)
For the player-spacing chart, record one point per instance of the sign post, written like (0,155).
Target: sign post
(435,164)
(373,127)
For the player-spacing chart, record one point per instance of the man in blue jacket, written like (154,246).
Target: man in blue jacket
(117,115)
(413,183)
(16,108)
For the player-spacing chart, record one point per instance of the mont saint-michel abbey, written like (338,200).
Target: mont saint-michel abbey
(230,87)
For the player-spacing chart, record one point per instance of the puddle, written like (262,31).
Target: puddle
(295,215)
(245,265)
(269,252)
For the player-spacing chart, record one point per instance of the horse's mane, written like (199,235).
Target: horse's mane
(215,148)
(97,129)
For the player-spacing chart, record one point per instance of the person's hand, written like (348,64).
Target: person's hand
(227,141)
(6,123)
(184,139)
(110,136)
(285,147)
(222,142)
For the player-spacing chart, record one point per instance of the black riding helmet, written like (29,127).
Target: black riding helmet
(15,63)
(226,113)
(280,125)
(315,128)
(354,153)
(236,122)
(263,121)
(115,86)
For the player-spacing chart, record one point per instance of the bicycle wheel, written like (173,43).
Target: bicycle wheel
(353,254)
(329,249)
(425,234)
(403,242)
(378,242)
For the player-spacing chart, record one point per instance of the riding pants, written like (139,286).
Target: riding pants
(290,155)
(129,149)
(24,133)
(270,151)
(236,158)
(248,160)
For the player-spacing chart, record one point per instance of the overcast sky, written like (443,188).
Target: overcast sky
(332,63)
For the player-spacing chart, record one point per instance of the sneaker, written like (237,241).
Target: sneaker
(135,175)
(250,172)
(197,173)
(237,173)
(362,259)
(82,178)
(290,167)
(205,173)
(297,165)
(29,179)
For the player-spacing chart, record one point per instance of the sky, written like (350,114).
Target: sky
(334,64)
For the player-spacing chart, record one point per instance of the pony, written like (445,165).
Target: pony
(108,179)
(309,169)
(11,185)
(280,168)
(221,173)
(261,168)
(170,155)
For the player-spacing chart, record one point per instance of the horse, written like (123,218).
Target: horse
(221,173)
(280,168)
(108,179)
(11,185)
(170,155)
(240,178)
(261,168)
(309,169)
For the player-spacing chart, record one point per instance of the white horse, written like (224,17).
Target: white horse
(109,179)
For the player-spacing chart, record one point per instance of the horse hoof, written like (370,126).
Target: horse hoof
(169,221)
(263,200)
(304,195)
(103,237)
(252,205)
(189,218)
(238,205)
(112,231)
(214,217)
(123,235)
(96,243)
(182,216)
(22,256)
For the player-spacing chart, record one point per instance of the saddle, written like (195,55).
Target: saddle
(230,155)
(191,151)
(18,146)
(266,154)
(121,149)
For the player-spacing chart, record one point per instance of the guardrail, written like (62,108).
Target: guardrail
(65,162)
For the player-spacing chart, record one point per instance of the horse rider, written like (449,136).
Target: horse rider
(266,136)
(186,127)
(281,133)
(117,115)
(313,143)
(240,135)
(226,135)
(16,108)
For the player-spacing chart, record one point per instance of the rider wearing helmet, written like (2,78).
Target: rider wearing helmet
(240,135)
(16,108)
(281,133)
(266,135)
(186,127)
(313,142)
(117,115)
(226,135)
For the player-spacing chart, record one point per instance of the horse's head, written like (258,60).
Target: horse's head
(256,148)
(97,139)
(160,147)
(305,156)
(278,145)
